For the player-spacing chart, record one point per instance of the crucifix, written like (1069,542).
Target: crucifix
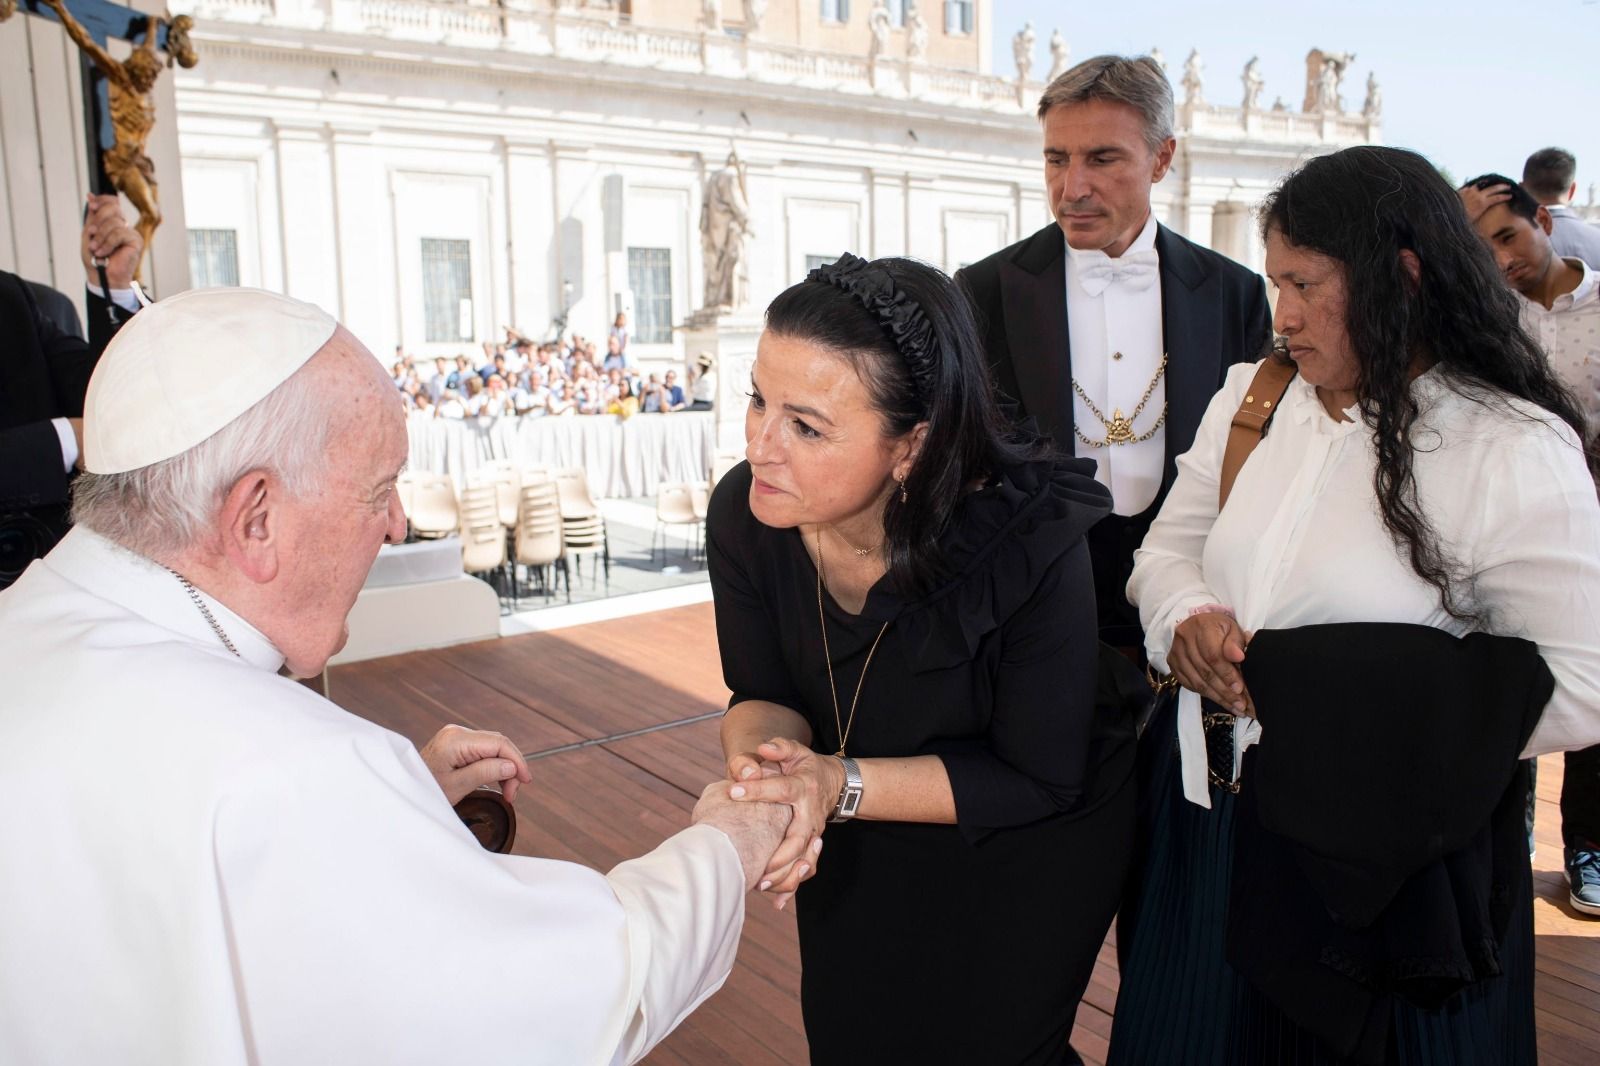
(118,111)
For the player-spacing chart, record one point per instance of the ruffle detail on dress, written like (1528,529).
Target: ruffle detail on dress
(1002,539)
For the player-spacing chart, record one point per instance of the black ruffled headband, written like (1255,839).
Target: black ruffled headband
(900,316)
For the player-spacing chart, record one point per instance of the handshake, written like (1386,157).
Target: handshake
(774,806)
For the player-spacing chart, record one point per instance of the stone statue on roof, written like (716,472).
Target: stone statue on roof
(1022,51)
(1060,55)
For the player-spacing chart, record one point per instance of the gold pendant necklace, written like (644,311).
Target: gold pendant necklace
(1119,428)
(860,552)
(843,730)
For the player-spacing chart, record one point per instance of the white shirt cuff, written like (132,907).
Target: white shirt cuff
(69,443)
(126,299)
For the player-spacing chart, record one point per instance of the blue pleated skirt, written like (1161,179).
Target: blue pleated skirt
(1181,1004)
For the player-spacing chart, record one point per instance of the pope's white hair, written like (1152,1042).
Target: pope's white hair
(167,507)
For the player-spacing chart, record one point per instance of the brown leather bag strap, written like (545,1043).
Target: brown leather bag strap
(1261,402)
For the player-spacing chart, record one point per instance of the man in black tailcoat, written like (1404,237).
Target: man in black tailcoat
(1109,329)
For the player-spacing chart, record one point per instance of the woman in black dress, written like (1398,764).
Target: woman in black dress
(907,622)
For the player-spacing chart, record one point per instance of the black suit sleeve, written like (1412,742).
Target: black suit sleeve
(32,473)
(980,283)
(105,318)
(1256,325)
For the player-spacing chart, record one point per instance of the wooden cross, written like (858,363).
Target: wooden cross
(103,21)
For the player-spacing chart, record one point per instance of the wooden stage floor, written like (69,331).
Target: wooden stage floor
(622,719)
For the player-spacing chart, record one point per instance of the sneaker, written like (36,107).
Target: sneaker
(1583,874)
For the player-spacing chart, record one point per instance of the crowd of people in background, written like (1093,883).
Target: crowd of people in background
(567,376)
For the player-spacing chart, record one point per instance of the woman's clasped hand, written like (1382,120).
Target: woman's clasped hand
(1207,648)
(784,771)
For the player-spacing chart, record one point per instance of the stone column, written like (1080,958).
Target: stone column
(731,339)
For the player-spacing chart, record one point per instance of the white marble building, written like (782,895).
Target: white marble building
(505,163)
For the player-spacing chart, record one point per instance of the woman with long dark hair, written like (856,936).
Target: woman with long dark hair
(906,617)
(1424,473)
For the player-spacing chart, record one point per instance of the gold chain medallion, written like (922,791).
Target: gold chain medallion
(1119,427)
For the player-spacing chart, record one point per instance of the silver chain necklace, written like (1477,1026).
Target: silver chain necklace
(205,612)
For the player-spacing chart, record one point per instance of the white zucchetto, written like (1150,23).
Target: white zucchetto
(185,367)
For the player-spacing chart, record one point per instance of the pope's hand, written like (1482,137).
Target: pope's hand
(464,759)
(756,829)
(810,784)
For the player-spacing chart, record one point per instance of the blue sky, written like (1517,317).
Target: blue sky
(1474,86)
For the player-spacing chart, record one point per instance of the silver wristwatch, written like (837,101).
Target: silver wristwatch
(850,795)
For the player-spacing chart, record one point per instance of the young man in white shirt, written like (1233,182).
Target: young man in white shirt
(1550,176)
(1561,310)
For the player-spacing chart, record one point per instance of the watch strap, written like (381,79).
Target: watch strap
(849,800)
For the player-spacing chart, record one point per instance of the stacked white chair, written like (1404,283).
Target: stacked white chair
(483,538)
(583,528)
(538,538)
(434,510)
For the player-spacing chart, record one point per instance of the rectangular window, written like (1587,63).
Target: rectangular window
(447,290)
(835,10)
(213,258)
(958,16)
(897,12)
(650,278)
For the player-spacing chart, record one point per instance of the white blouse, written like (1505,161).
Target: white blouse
(1302,541)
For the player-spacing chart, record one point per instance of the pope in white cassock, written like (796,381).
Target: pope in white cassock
(201,861)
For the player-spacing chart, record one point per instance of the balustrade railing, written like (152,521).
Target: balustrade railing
(604,36)
(426,19)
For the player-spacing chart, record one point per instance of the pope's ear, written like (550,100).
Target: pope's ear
(248,525)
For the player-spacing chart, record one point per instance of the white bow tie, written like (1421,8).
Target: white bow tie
(1135,271)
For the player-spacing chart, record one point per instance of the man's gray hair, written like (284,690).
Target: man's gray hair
(1138,82)
(166,507)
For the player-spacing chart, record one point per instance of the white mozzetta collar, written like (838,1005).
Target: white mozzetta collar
(147,589)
